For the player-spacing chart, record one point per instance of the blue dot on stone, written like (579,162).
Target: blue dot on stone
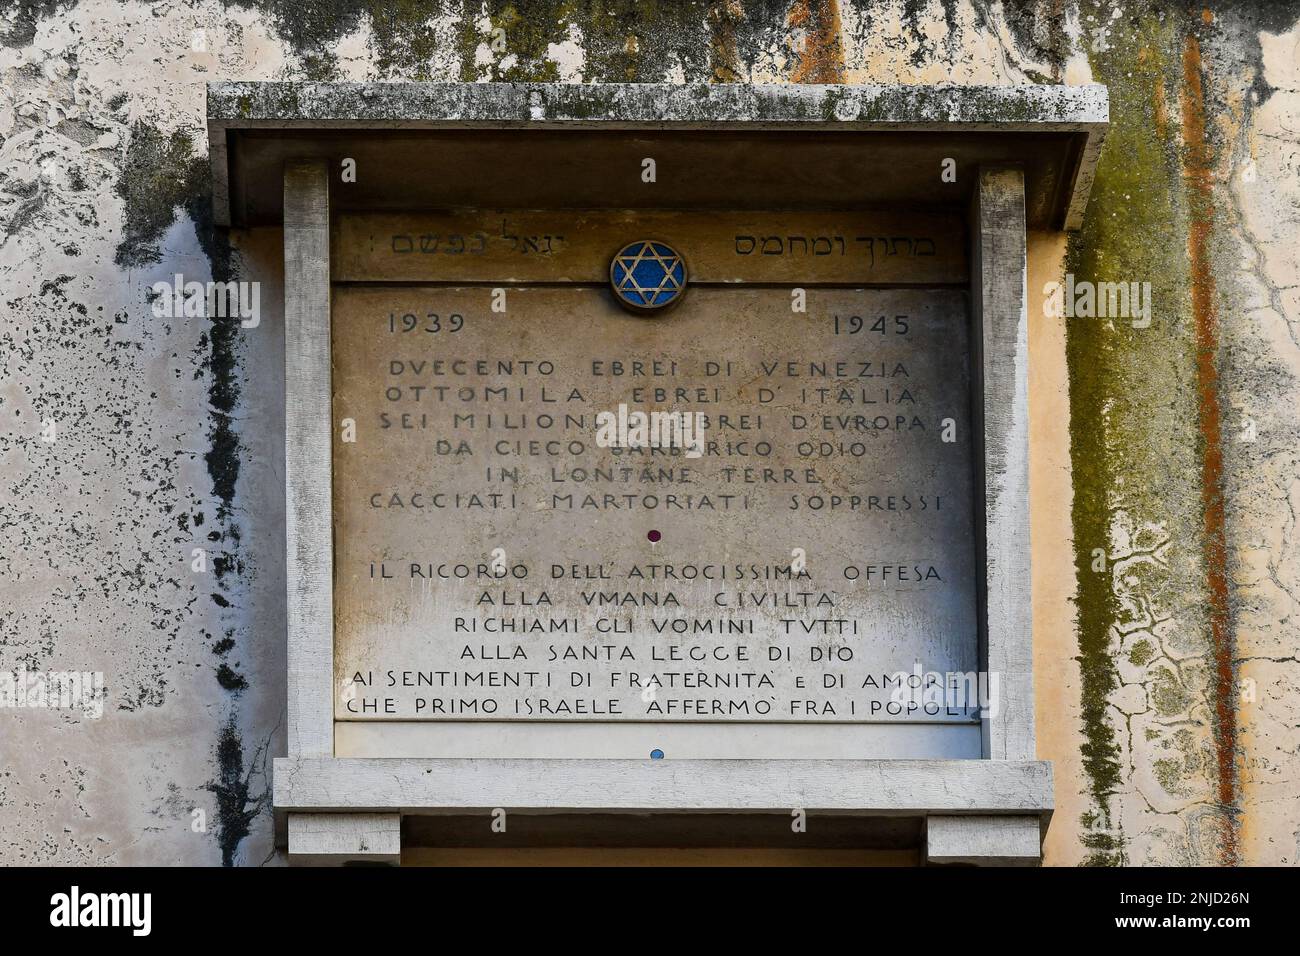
(656,755)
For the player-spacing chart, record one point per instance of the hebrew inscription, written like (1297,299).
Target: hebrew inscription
(534,245)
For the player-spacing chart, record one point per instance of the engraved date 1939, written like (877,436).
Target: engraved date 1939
(431,322)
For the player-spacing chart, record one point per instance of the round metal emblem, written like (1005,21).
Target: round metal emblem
(647,275)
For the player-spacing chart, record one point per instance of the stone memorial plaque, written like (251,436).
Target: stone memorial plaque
(657,490)
(805,549)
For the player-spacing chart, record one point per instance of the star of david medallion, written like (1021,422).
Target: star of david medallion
(647,275)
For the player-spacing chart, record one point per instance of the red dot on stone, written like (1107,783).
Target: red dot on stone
(653,535)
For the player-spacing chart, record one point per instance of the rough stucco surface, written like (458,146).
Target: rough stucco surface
(1167,681)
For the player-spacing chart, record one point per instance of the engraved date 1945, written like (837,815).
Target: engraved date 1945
(884,325)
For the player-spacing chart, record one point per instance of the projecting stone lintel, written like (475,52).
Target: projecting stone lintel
(903,134)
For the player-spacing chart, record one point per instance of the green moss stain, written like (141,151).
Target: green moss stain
(1133,432)
(1169,773)
(1141,653)
(406,42)
(623,41)
(1169,695)
(516,38)
(633,41)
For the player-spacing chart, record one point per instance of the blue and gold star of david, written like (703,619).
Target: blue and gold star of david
(647,275)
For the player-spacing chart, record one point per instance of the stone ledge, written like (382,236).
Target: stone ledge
(1076,116)
(783,106)
(865,787)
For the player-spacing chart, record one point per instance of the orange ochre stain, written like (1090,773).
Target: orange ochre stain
(821,58)
(1197,171)
(724,53)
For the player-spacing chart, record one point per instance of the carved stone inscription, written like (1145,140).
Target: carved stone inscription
(912,248)
(509,546)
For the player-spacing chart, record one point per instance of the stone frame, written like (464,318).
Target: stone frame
(991,810)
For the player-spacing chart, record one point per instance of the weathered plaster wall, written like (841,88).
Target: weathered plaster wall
(1167,678)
